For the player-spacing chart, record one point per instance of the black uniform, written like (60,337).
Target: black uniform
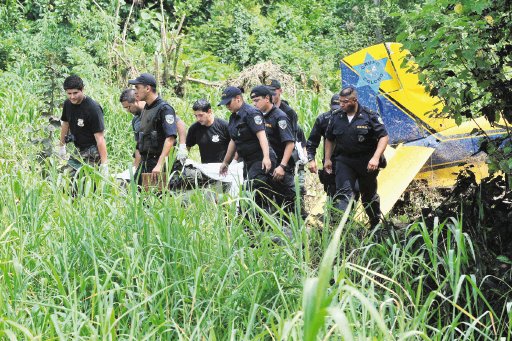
(136,126)
(356,142)
(242,128)
(157,123)
(85,120)
(213,141)
(317,133)
(292,115)
(279,132)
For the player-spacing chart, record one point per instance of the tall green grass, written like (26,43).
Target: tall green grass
(113,263)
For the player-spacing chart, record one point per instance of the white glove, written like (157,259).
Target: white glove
(303,159)
(182,153)
(104,169)
(62,152)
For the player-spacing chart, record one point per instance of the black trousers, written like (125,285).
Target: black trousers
(351,172)
(258,182)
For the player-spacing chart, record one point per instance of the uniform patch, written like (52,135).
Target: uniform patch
(282,124)
(169,119)
(362,127)
(258,120)
(379,119)
(80,122)
(215,138)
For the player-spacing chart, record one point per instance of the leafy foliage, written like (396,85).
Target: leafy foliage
(464,50)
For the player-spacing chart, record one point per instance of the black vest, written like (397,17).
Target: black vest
(151,137)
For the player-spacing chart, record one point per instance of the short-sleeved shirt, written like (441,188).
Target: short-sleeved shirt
(292,115)
(136,126)
(358,137)
(85,120)
(279,130)
(167,117)
(213,141)
(242,127)
(317,133)
(158,122)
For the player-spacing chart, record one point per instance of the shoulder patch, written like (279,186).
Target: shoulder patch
(169,118)
(282,124)
(258,119)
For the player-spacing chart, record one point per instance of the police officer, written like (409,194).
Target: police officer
(247,132)
(209,133)
(157,127)
(135,107)
(275,86)
(359,139)
(317,133)
(82,123)
(281,139)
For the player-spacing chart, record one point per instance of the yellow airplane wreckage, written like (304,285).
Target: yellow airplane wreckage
(421,146)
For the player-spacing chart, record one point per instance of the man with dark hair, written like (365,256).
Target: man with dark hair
(209,133)
(281,139)
(357,138)
(317,133)
(247,132)
(158,129)
(135,107)
(275,87)
(82,123)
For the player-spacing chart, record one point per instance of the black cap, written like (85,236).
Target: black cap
(228,94)
(273,84)
(335,101)
(144,78)
(261,90)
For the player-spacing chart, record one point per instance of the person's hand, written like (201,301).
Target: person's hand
(104,169)
(155,173)
(182,153)
(266,165)
(312,166)
(62,152)
(373,164)
(328,166)
(223,170)
(278,174)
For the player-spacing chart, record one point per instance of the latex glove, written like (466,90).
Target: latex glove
(182,153)
(104,169)
(62,152)
(303,159)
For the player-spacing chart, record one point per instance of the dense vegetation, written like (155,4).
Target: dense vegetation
(112,263)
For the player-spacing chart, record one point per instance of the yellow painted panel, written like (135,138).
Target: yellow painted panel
(400,171)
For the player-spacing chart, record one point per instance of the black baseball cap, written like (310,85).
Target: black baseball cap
(335,101)
(144,78)
(261,90)
(273,84)
(228,94)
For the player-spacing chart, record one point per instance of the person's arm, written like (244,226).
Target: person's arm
(262,138)
(373,164)
(328,154)
(227,158)
(182,131)
(137,159)
(102,147)
(64,130)
(279,171)
(169,142)
(312,144)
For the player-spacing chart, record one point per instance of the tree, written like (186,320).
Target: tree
(464,53)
